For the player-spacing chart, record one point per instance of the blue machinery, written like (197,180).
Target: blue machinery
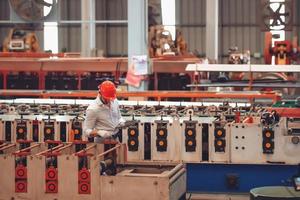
(236,178)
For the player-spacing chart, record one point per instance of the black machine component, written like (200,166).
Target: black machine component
(52,81)
(161,136)
(268,141)
(230,117)
(8,131)
(92,80)
(35,130)
(205,136)
(49,129)
(61,81)
(13,81)
(52,144)
(147,141)
(22,80)
(80,146)
(24,144)
(21,129)
(108,167)
(190,136)
(68,82)
(220,141)
(172,81)
(270,118)
(77,128)
(51,161)
(30,81)
(133,137)
(63,131)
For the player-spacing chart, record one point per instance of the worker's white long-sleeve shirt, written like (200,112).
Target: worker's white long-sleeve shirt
(102,118)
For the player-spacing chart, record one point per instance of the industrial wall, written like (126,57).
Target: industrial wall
(4,15)
(238,26)
(191,17)
(111,39)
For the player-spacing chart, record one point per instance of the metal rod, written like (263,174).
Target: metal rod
(176,176)
(2,145)
(7,147)
(28,148)
(110,150)
(174,170)
(64,147)
(48,150)
(86,149)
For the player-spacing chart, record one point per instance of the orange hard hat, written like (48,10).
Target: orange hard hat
(107,89)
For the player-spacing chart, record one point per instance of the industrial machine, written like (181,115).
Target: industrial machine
(53,169)
(21,40)
(285,52)
(226,143)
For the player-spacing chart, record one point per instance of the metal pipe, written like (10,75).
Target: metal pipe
(64,147)
(176,176)
(85,149)
(48,150)
(28,148)
(110,150)
(2,145)
(174,170)
(7,147)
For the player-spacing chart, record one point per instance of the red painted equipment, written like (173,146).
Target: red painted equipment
(51,187)
(51,174)
(284,51)
(20,172)
(84,181)
(21,186)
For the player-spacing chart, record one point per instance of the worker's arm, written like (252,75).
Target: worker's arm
(89,123)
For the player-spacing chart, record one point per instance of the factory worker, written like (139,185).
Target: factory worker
(103,116)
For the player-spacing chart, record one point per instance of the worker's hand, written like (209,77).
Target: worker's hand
(121,123)
(94,133)
(84,138)
(104,133)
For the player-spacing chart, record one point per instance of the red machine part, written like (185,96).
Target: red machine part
(51,174)
(84,181)
(284,51)
(51,177)
(84,188)
(21,186)
(84,175)
(20,179)
(286,112)
(20,172)
(51,186)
